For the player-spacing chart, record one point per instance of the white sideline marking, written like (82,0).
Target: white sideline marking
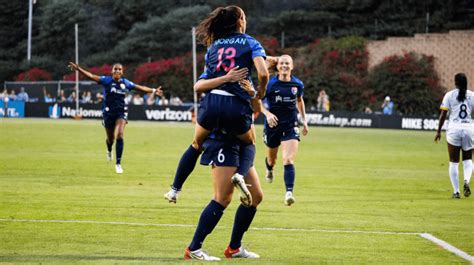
(427,236)
(448,247)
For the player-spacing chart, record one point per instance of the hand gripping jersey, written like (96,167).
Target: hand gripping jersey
(226,53)
(459,112)
(281,99)
(114,93)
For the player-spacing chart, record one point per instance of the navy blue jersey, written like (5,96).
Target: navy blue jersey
(226,53)
(281,99)
(114,92)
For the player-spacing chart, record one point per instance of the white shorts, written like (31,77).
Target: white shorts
(462,137)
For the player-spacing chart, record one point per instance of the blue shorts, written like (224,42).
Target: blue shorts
(273,137)
(110,117)
(229,113)
(220,153)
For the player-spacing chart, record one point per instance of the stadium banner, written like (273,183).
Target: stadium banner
(13,109)
(94,111)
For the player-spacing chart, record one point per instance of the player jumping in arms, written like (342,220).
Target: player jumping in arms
(114,110)
(459,102)
(222,152)
(226,105)
(284,99)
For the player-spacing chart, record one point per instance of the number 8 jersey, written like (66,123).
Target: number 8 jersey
(238,49)
(459,112)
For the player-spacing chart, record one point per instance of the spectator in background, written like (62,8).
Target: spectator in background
(72,97)
(22,96)
(98,98)
(387,106)
(12,95)
(176,101)
(150,100)
(62,96)
(368,110)
(163,101)
(47,96)
(323,101)
(137,100)
(86,97)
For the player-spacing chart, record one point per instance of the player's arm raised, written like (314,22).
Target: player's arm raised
(234,75)
(91,76)
(155,91)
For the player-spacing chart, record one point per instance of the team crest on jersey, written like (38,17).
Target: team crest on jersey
(122,86)
(294,90)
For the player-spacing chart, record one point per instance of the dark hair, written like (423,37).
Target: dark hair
(460,81)
(220,23)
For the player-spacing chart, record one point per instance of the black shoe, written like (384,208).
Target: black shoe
(456,195)
(467,190)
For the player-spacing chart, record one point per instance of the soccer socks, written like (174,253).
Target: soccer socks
(210,216)
(119,150)
(269,168)
(467,165)
(289,177)
(453,174)
(247,155)
(109,145)
(185,167)
(243,218)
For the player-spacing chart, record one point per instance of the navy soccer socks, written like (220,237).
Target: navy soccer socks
(289,176)
(243,218)
(119,150)
(247,155)
(210,216)
(109,145)
(185,167)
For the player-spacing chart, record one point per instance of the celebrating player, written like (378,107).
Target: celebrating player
(222,152)
(114,110)
(284,99)
(227,106)
(460,131)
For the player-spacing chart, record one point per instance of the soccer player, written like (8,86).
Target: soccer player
(284,99)
(222,152)
(227,106)
(114,110)
(459,102)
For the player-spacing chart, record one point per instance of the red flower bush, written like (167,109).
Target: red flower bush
(105,69)
(34,74)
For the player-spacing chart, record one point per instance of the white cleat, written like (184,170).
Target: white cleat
(171,195)
(118,169)
(199,254)
(109,156)
(239,183)
(289,198)
(269,176)
(240,253)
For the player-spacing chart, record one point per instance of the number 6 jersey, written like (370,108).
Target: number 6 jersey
(459,112)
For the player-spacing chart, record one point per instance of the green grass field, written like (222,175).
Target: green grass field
(350,180)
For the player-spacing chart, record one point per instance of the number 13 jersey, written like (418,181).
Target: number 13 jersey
(237,49)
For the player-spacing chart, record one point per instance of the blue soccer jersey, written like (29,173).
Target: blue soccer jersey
(281,99)
(114,92)
(226,53)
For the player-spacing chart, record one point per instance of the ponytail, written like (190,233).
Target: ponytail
(460,81)
(220,23)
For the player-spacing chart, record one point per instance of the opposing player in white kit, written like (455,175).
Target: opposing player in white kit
(459,131)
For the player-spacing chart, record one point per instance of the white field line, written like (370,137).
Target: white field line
(427,236)
(448,247)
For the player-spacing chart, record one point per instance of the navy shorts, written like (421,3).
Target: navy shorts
(273,137)
(220,153)
(110,117)
(228,113)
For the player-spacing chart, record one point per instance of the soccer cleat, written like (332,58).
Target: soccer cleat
(456,195)
(269,176)
(241,252)
(109,156)
(118,169)
(171,195)
(289,199)
(239,183)
(467,190)
(198,254)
